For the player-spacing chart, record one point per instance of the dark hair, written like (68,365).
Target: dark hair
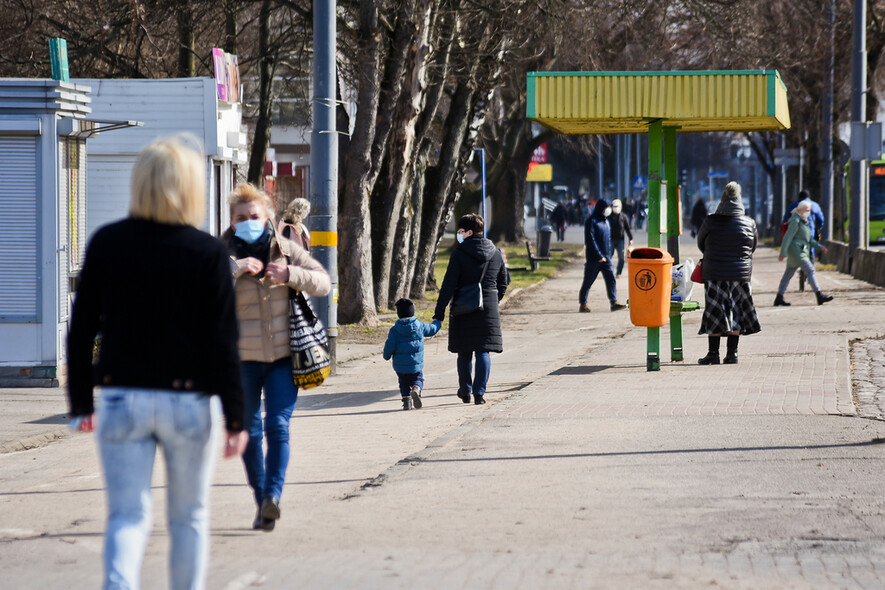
(804,196)
(472,222)
(404,308)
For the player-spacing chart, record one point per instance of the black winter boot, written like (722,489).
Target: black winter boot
(712,357)
(731,350)
(821,298)
(779,300)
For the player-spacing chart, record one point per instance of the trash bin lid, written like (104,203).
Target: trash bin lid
(651,254)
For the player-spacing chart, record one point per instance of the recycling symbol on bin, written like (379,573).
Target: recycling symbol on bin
(645,280)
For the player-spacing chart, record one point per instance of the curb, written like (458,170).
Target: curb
(32,442)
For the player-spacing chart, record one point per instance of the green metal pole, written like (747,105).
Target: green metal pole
(655,136)
(671,169)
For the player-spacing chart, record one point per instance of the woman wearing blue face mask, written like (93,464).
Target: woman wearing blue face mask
(265,266)
(796,249)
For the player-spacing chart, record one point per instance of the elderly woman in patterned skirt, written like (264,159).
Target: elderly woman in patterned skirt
(727,239)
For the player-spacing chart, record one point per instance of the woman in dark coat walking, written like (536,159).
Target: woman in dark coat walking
(727,238)
(477,333)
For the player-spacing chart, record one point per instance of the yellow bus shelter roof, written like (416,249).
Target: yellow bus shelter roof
(575,103)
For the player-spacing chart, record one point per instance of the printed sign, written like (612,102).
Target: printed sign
(539,156)
(227,75)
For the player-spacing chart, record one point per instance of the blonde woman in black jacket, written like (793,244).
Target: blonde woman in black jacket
(727,239)
(159,292)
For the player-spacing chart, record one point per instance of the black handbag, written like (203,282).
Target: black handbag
(468,298)
(308,343)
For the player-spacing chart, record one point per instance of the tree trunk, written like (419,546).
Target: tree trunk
(357,302)
(508,200)
(265,77)
(187,67)
(401,148)
(440,198)
(231,12)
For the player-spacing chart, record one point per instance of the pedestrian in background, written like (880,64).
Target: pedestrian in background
(559,219)
(815,222)
(157,290)
(265,268)
(405,344)
(796,248)
(598,250)
(698,214)
(291,223)
(619,223)
(727,239)
(478,333)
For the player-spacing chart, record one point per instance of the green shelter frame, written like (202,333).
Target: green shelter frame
(660,104)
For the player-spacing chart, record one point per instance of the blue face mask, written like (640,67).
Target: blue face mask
(250,230)
(460,238)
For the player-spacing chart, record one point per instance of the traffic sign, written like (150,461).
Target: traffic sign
(639,183)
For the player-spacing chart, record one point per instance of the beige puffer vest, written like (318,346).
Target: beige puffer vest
(263,308)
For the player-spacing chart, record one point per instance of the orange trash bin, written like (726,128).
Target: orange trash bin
(649,272)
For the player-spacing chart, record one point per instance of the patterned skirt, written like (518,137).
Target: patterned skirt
(728,307)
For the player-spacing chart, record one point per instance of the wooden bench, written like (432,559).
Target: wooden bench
(533,260)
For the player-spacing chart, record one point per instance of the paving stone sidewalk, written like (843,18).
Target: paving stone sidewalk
(583,471)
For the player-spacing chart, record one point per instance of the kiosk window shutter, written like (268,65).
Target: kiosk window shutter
(18,229)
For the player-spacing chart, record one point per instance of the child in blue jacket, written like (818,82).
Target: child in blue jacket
(405,343)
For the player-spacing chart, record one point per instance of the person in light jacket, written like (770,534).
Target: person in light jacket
(265,267)
(796,249)
(477,333)
(727,239)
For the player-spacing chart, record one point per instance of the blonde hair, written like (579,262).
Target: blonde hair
(169,182)
(247,192)
(803,204)
(296,211)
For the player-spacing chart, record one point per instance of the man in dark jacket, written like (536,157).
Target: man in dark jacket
(558,218)
(598,248)
(620,226)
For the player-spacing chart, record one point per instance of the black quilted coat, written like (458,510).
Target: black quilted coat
(727,243)
(480,330)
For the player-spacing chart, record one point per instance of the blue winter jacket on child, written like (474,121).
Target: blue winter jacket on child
(405,343)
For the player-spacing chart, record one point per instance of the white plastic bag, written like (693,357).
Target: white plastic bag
(681,285)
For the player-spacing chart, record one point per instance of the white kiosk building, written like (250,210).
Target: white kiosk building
(165,107)
(43,131)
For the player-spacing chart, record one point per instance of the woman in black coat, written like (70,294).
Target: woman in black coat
(479,332)
(727,239)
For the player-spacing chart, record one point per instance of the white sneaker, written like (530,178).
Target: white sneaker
(416,396)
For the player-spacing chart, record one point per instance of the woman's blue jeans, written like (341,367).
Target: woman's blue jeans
(468,382)
(267,472)
(130,424)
